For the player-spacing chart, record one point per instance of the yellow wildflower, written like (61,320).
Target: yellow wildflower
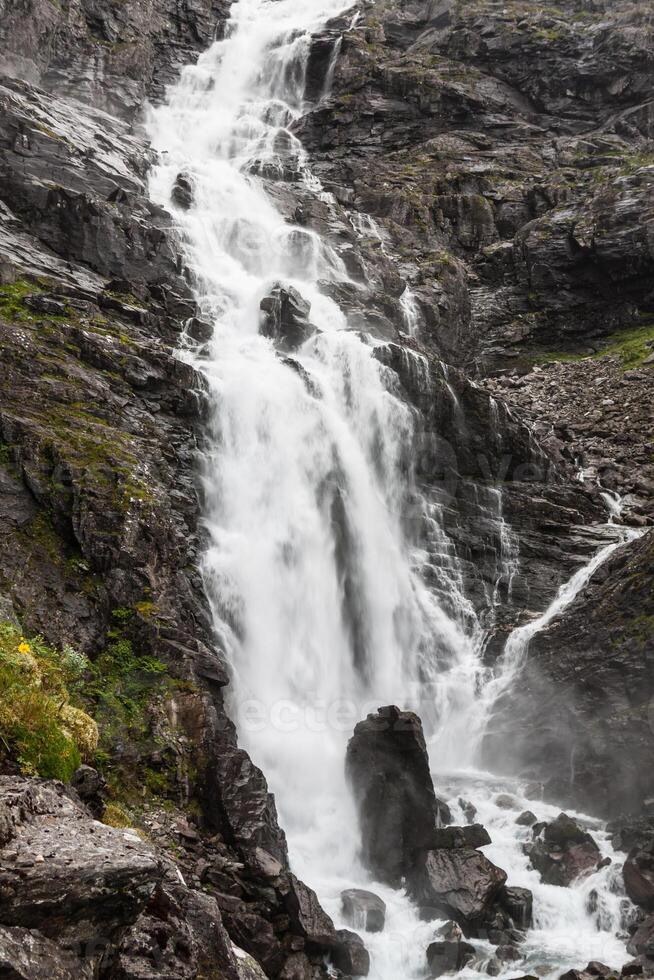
(24,647)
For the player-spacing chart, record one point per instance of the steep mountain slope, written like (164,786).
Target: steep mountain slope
(505,154)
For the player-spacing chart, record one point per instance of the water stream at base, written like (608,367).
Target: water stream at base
(318,598)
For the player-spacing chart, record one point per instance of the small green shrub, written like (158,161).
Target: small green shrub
(39,727)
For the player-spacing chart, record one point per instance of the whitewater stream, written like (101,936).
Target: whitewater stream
(319,600)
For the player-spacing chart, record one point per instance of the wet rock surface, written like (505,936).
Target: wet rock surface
(571,692)
(562,852)
(460,884)
(363,909)
(388,769)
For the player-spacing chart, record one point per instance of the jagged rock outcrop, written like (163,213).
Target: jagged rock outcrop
(286,318)
(112,55)
(388,769)
(79,897)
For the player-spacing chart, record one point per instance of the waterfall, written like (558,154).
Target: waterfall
(321,602)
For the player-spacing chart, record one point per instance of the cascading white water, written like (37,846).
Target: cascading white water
(320,601)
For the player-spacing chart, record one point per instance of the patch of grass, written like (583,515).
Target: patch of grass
(122,684)
(632,346)
(116,816)
(40,728)
(12,299)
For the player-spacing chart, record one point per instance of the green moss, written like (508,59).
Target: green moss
(122,684)
(12,300)
(116,816)
(632,346)
(40,728)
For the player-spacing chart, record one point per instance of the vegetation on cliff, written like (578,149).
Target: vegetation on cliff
(41,725)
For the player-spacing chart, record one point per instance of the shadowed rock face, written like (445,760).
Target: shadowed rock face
(388,769)
(580,716)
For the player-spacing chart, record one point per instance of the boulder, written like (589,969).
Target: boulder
(182,192)
(297,967)
(91,787)
(363,909)
(308,918)
(469,810)
(285,318)
(638,874)
(27,955)
(76,881)
(350,956)
(526,819)
(388,768)
(461,884)
(508,953)
(446,956)
(181,934)
(519,904)
(563,851)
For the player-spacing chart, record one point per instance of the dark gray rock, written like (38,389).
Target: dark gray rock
(563,852)
(571,697)
(350,955)
(519,903)
(91,787)
(526,819)
(461,884)
(25,954)
(286,318)
(638,872)
(448,957)
(388,769)
(363,909)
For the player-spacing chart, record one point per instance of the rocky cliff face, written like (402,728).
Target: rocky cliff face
(504,152)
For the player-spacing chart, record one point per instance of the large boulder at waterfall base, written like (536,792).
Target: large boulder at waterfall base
(388,768)
(461,884)
(638,874)
(363,909)
(285,318)
(563,852)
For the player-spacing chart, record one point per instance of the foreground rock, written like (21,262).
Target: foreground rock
(563,852)
(363,909)
(388,768)
(92,896)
